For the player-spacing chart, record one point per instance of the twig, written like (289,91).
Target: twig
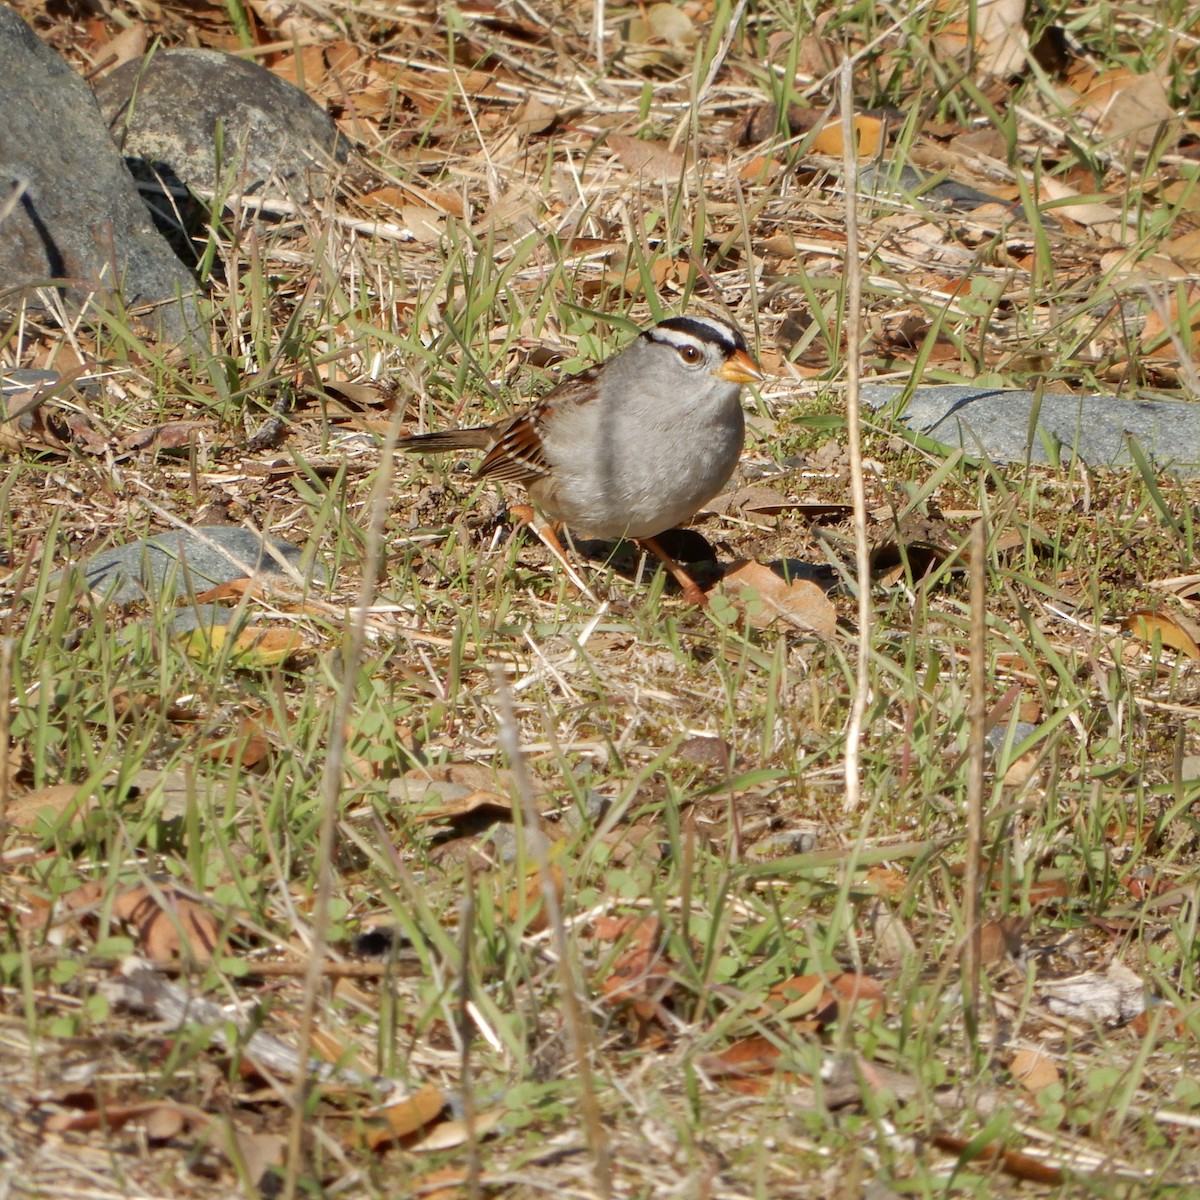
(977,718)
(578,1026)
(331,783)
(858,493)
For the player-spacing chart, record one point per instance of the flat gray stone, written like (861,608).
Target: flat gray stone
(78,223)
(188,117)
(995,423)
(187,561)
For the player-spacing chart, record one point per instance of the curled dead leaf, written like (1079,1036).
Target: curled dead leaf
(656,162)
(1033,1070)
(1167,630)
(169,926)
(767,596)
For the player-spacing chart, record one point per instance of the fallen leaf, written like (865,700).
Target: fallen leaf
(47,804)
(1033,1070)
(1012,1162)
(448,1134)
(894,944)
(822,997)
(656,162)
(767,597)
(1126,105)
(663,33)
(868,137)
(168,925)
(403,1118)
(528,903)
(1061,200)
(254,647)
(1001,43)
(892,562)
(457,809)
(744,1059)
(1149,626)
(125,47)
(639,979)
(999,939)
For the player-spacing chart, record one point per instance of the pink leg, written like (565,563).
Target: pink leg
(692,592)
(546,535)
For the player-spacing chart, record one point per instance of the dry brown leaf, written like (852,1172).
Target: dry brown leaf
(760,500)
(535,116)
(655,162)
(1001,43)
(161,1119)
(1012,1162)
(744,1059)
(248,749)
(662,34)
(632,280)
(1033,1070)
(458,808)
(295,22)
(821,998)
(767,597)
(427,225)
(1166,335)
(1127,105)
(168,925)
(406,1116)
(887,882)
(894,943)
(1185,249)
(891,562)
(528,902)
(1049,888)
(125,47)
(46,803)
(448,1134)
(1103,219)
(639,979)
(868,137)
(446,1183)
(1172,632)
(1141,272)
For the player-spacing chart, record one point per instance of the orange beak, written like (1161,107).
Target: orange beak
(740,368)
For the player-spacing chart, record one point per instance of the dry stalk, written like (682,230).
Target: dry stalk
(977,719)
(331,783)
(578,1026)
(858,493)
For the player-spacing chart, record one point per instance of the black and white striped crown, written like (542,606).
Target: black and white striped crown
(677,331)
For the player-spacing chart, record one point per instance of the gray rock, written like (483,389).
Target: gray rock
(186,561)
(207,617)
(187,117)
(995,422)
(76,222)
(891,179)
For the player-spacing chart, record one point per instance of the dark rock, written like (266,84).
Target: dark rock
(77,222)
(207,120)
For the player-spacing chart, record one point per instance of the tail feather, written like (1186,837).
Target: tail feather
(479,438)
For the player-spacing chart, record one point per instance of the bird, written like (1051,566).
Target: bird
(629,448)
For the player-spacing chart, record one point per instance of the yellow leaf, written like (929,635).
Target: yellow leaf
(1148,626)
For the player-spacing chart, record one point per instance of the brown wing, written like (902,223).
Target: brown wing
(517,455)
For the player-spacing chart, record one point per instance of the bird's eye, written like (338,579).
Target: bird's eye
(690,355)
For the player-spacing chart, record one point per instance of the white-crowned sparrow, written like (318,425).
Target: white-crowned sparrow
(631,447)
